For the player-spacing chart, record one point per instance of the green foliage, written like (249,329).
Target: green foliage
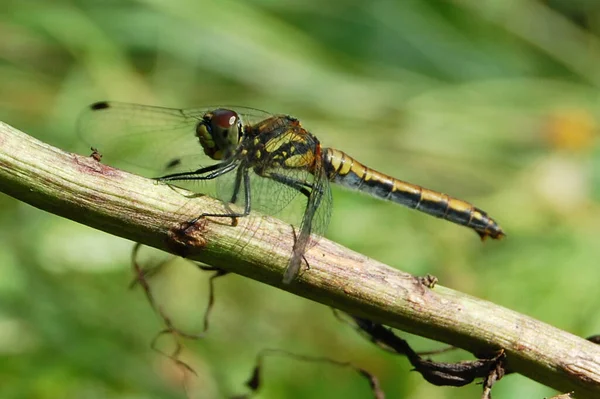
(493,102)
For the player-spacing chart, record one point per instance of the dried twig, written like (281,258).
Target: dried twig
(255,381)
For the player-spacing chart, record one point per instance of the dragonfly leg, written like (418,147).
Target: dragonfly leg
(206,173)
(234,196)
(302,186)
(243,176)
(236,186)
(212,172)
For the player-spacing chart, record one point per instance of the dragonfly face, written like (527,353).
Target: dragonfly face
(263,164)
(219,133)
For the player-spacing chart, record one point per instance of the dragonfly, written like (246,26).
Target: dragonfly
(259,161)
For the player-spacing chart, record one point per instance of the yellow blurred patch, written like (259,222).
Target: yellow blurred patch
(572,130)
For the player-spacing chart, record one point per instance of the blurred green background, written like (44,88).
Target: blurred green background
(491,101)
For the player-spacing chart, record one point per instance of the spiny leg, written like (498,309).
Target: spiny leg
(236,186)
(300,185)
(242,175)
(214,171)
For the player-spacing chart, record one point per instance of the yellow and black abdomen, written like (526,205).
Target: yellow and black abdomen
(346,171)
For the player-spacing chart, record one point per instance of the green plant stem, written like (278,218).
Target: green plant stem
(84,190)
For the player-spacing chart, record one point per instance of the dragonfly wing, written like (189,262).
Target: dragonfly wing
(322,214)
(315,219)
(144,139)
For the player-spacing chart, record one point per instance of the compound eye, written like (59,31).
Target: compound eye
(220,132)
(225,120)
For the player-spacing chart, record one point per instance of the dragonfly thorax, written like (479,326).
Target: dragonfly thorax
(219,133)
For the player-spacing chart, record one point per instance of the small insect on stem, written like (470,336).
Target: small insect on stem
(95,154)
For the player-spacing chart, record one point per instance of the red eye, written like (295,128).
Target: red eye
(224,118)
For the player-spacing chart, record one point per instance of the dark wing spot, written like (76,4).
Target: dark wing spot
(99,105)
(173,163)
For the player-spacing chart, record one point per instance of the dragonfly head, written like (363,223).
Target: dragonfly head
(219,133)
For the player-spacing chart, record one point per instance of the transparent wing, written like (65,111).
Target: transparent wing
(148,140)
(142,139)
(315,220)
(322,214)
